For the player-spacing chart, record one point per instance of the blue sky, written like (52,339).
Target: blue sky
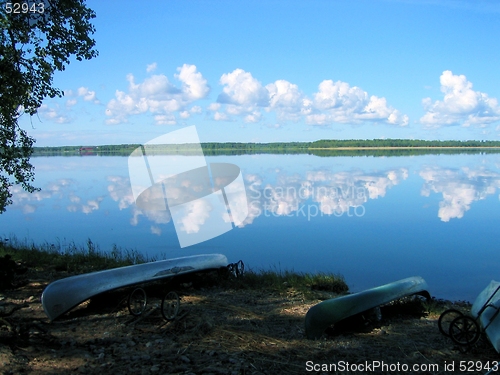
(267,71)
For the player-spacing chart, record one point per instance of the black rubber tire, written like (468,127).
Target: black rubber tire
(170,305)
(137,301)
(445,320)
(464,331)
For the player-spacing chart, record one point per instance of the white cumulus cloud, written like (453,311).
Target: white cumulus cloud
(241,88)
(54,114)
(71,102)
(88,95)
(461,105)
(242,95)
(335,102)
(194,86)
(151,67)
(287,100)
(158,96)
(165,119)
(338,102)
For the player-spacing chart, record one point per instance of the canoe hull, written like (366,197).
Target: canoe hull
(489,317)
(62,295)
(326,313)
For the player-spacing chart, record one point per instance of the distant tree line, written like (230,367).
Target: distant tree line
(85,149)
(400,152)
(334,143)
(325,147)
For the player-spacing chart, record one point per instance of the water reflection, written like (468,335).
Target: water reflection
(309,194)
(318,192)
(459,188)
(401,214)
(120,191)
(333,193)
(58,192)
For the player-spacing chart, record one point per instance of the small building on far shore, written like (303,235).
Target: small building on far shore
(88,150)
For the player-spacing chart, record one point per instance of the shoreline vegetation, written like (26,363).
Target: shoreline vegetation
(249,325)
(75,260)
(374,147)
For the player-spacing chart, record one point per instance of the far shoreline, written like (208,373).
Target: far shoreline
(404,148)
(325,147)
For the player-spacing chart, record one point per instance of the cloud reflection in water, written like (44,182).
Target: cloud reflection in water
(459,188)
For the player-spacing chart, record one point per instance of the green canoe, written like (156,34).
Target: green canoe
(326,313)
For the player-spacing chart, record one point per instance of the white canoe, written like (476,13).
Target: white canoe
(489,317)
(64,294)
(326,313)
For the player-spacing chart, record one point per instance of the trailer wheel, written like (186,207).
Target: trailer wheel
(170,306)
(445,320)
(464,331)
(137,302)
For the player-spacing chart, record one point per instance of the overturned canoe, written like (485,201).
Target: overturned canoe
(487,307)
(64,294)
(326,313)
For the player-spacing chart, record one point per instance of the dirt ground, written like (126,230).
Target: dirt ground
(219,330)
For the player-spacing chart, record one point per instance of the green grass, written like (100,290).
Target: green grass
(281,280)
(89,258)
(73,259)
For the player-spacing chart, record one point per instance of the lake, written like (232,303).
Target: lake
(371,219)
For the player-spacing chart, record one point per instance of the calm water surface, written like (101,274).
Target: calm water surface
(372,219)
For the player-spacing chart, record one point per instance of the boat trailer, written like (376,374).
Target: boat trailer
(170,304)
(466,329)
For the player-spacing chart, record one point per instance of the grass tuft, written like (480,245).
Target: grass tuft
(279,280)
(72,259)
